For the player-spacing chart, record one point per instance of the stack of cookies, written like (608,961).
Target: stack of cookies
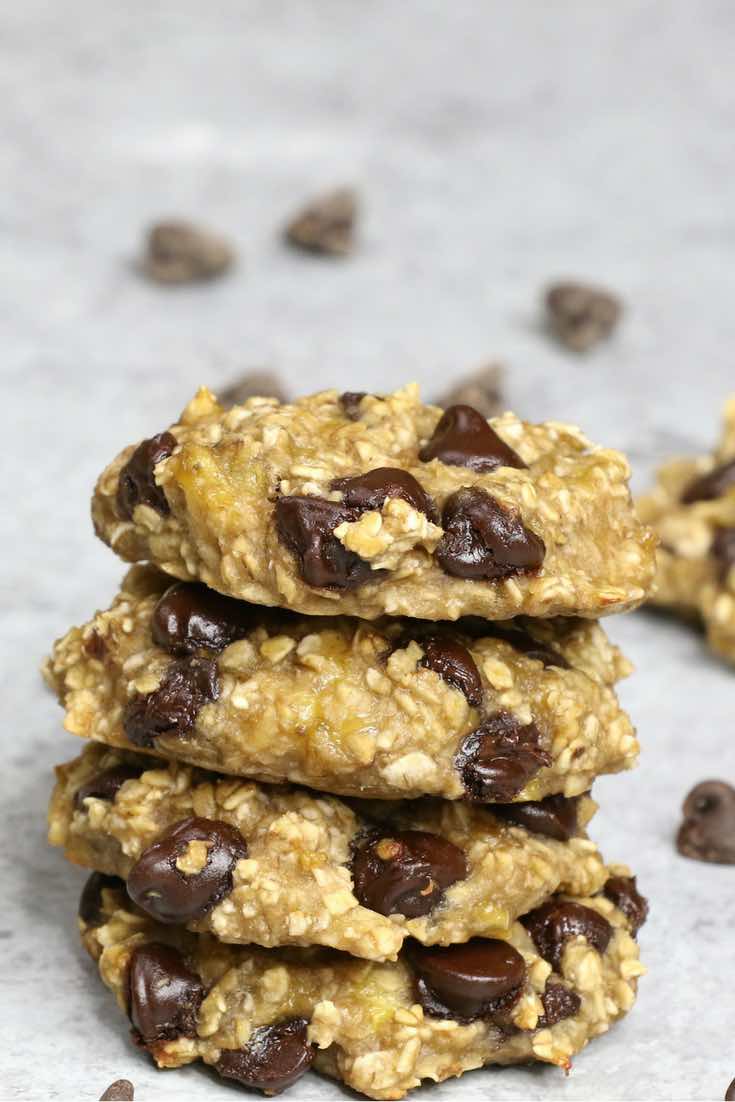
(344,721)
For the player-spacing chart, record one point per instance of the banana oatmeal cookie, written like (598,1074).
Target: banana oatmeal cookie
(374,505)
(489,713)
(264,1017)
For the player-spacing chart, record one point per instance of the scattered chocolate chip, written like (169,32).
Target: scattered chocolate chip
(94,646)
(708,830)
(730,1092)
(189,616)
(481,390)
(723,550)
(172,708)
(161,889)
(559,1003)
(623,893)
(136,484)
(325,225)
(463,438)
(106,784)
(164,995)
(253,384)
(498,759)
(484,540)
(372,489)
(273,1059)
(554,817)
(90,901)
(180,252)
(122,1090)
(580,315)
(710,486)
(406,873)
(454,664)
(481,978)
(306,526)
(351,401)
(555,923)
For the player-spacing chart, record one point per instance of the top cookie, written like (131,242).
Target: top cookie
(365,505)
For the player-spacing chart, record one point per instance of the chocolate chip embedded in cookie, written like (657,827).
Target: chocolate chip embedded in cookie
(561,920)
(560,1002)
(498,759)
(106,784)
(407,872)
(91,910)
(372,489)
(484,540)
(708,830)
(481,979)
(622,891)
(306,526)
(164,994)
(189,617)
(137,483)
(463,438)
(554,817)
(171,709)
(275,1057)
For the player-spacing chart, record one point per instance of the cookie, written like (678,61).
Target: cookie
(373,505)
(484,712)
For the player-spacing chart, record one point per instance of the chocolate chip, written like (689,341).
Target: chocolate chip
(708,830)
(137,484)
(164,995)
(499,758)
(559,1003)
(730,1092)
(481,390)
(623,893)
(521,640)
(454,664)
(710,486)
(179,252)
(172,708)
(372,489)
(580,315)
(90,901)
(351,401)
(554,817)
(484,540)
(94,646)
(189,616)
(723,550)
(555,923)
(481,978)
(122,1090)
(253,384)
(106,784)
(161,889)
(463,438)
(406,873)
(306,526)
(325,225)
(273,1059)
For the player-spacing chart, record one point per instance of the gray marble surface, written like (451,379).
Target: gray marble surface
(496,146)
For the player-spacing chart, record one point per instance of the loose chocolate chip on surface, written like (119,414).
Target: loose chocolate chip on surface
(623,893)
(482,390)
(499,758)
(480,978)
(485,541)
(325,225)
(189,616)
(554,817)
(555,923)
(406,873)
(306,526)
(172,896)
(136,484)
(463,438)
(172,708)
(106,784)
(372,489)
(710,486)
(90,901)
(180,252)
(579,315)
(274,1058)
(708,830)
(454,664)
(559,1003)
(164,995)
(122,1090)
(253,384)
(730,1092)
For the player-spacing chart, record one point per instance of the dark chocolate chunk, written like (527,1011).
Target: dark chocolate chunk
(730,1092)
(482,390)
(137,484)
(122,1090)
(372,489)
(463,438)
(164,995)
(481,978)
(326,225)
(189,616)
(90,901)
(179,252)
(710,486)
(498,759)
(306,526)
(454,664)
(406,873)
(559,1003)
(106,784)
(484,540)
(554,817)
(273,1059)
(555,923)
(723,550)
(521,640)
(172,896)
(623,893)
(94,646)
(580,315)
(350,402)
(253,384)
(172,708)
(708,830)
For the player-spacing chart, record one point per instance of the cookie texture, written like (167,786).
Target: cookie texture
(373,505)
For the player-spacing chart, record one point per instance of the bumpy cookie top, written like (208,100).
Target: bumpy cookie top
(370,505)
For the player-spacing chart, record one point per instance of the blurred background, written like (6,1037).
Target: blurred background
(494,147)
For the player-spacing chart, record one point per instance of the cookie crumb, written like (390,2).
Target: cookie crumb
(122,1090)
(326,224)
(181,252)
(482,389)
(581,315)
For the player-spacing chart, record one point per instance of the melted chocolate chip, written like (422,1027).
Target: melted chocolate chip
(136,484)
(723,550)
(90,901)
(499,758)
(555,923)
(172,896)
(406,873)
(708,487)
(481,978)
(521,640)
(484,540)
(306,526)
(172,708)
(463,438)
(273,1059)
(623,893)
(164,995)
(350,402)
(454,664)
(708,830)
(106,784)
(559,1003)
(189,616)
(372,489)
(554,817)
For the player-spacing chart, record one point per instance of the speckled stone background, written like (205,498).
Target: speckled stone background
(496,145)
